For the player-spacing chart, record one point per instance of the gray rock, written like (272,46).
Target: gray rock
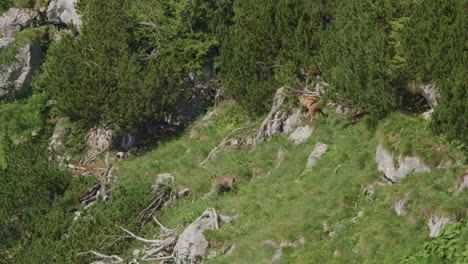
(163,179)
(427,115)
(14,20)
(319,149)
(292,121)
(227,219)
(355,219)
(383,181)
(4,42)
(63,12)
(400,206)
(342,110)
(301,134)
(234,142)
(385,161)
(249,141)
(192,244)
(432,94)
(17,75)
(280,156)
(230,251)
(211,254)
(320,87)
(121,155)
(462,186)
(57,145)
(274,121)
(436,222)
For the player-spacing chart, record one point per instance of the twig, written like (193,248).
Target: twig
(372,4)
(161,258)
(307,92)
(222,144)
(102,255)
(139,238)
(153,26)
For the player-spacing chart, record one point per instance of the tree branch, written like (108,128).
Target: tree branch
(102,255)
(140,238)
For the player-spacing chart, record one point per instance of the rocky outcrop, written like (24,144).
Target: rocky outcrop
(14,20)
(406,164)
(63,12)
(343,110)
(431,93)
(301,134)
(298,242)
(192,244)
(399,206)
(436,222)
(318,151)
(462,186)
(57,144)
(163,179)
(17,75)
(292,121)
(99,141)
(279,119)
(274,121)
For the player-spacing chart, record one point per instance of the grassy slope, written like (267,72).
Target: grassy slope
(294,201)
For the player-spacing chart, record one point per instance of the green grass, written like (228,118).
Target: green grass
(291,202)
(294,201)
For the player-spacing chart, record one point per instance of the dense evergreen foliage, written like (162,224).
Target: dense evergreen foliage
(121,73)
(376,54)
(434,44)
(28,185)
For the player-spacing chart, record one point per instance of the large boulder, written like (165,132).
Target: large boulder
(192,244)
(318,151)
(14,20)
(63,12)
(17,75)
(281,119)
(436,222)
(431,93)
(301,134)
(406,164)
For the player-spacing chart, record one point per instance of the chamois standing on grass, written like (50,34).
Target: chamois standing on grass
(224,182)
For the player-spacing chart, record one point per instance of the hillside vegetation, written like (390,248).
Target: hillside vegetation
(135,63)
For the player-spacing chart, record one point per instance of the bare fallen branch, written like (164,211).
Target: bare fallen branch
(140,238)
(223,142)
(153,26)
(304,91)
(156,204)
(155,249)
(119,259)
(161,258)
